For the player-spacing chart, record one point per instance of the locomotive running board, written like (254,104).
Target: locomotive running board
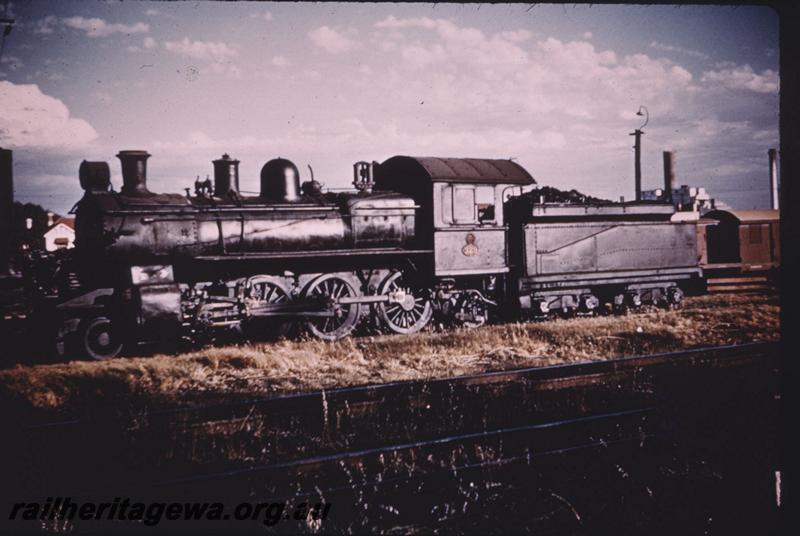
(313,254)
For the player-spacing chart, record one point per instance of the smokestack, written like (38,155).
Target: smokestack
(669,175)
(226,176)
(6,210)
(773,177)
(134,172)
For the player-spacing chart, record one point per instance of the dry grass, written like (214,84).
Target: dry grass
(260,369)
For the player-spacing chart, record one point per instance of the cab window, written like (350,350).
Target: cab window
(468,204)
(463,204)
(484,204)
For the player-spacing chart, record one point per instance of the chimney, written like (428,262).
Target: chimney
(134,172)
(669,175)
(773,178)
(226,176)
(6,210)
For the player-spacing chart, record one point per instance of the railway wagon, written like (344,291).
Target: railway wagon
(737,242)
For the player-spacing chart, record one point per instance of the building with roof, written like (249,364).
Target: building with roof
(687,199)
(60,235)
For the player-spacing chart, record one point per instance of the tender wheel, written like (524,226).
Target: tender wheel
(340,319)
(674,296)
(263,291)
(99,340)
(406,311)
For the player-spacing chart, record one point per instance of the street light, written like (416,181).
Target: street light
(646,114)
(637,146)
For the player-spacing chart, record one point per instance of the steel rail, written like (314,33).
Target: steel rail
(446,440)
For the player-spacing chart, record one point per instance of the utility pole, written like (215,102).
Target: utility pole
(637,162)
(637,148)
(9,24)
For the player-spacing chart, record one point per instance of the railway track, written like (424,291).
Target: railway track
(422,447)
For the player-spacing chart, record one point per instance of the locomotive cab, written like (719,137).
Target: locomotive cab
(461,218)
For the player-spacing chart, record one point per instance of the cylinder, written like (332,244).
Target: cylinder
(280,181)
(134,172)
(669,175)
(6,210)
(773,178)
(226,176)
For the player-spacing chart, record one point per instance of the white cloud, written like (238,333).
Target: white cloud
(12,62)
(743,78)
(32,119)
(331,41)
(463,45)
(202,50)
(147,44)
(151,12)
(266,15)
(45,25)
(418,22)
(218,55)
(469,91)
(102,97)
(97,27)
(280,61)
(230,70)
(672,48)
(516,36)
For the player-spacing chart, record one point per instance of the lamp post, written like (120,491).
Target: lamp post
(637,147)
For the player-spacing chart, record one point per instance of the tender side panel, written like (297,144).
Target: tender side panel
(555,248)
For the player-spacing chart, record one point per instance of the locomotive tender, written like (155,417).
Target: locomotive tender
(454,239)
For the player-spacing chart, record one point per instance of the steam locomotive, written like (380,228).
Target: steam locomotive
(455,240)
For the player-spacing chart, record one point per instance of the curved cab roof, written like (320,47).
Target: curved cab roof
(403,169)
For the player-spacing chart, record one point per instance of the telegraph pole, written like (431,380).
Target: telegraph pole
(8,23)
(637,151)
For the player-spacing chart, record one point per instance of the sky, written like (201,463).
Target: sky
(555,87)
